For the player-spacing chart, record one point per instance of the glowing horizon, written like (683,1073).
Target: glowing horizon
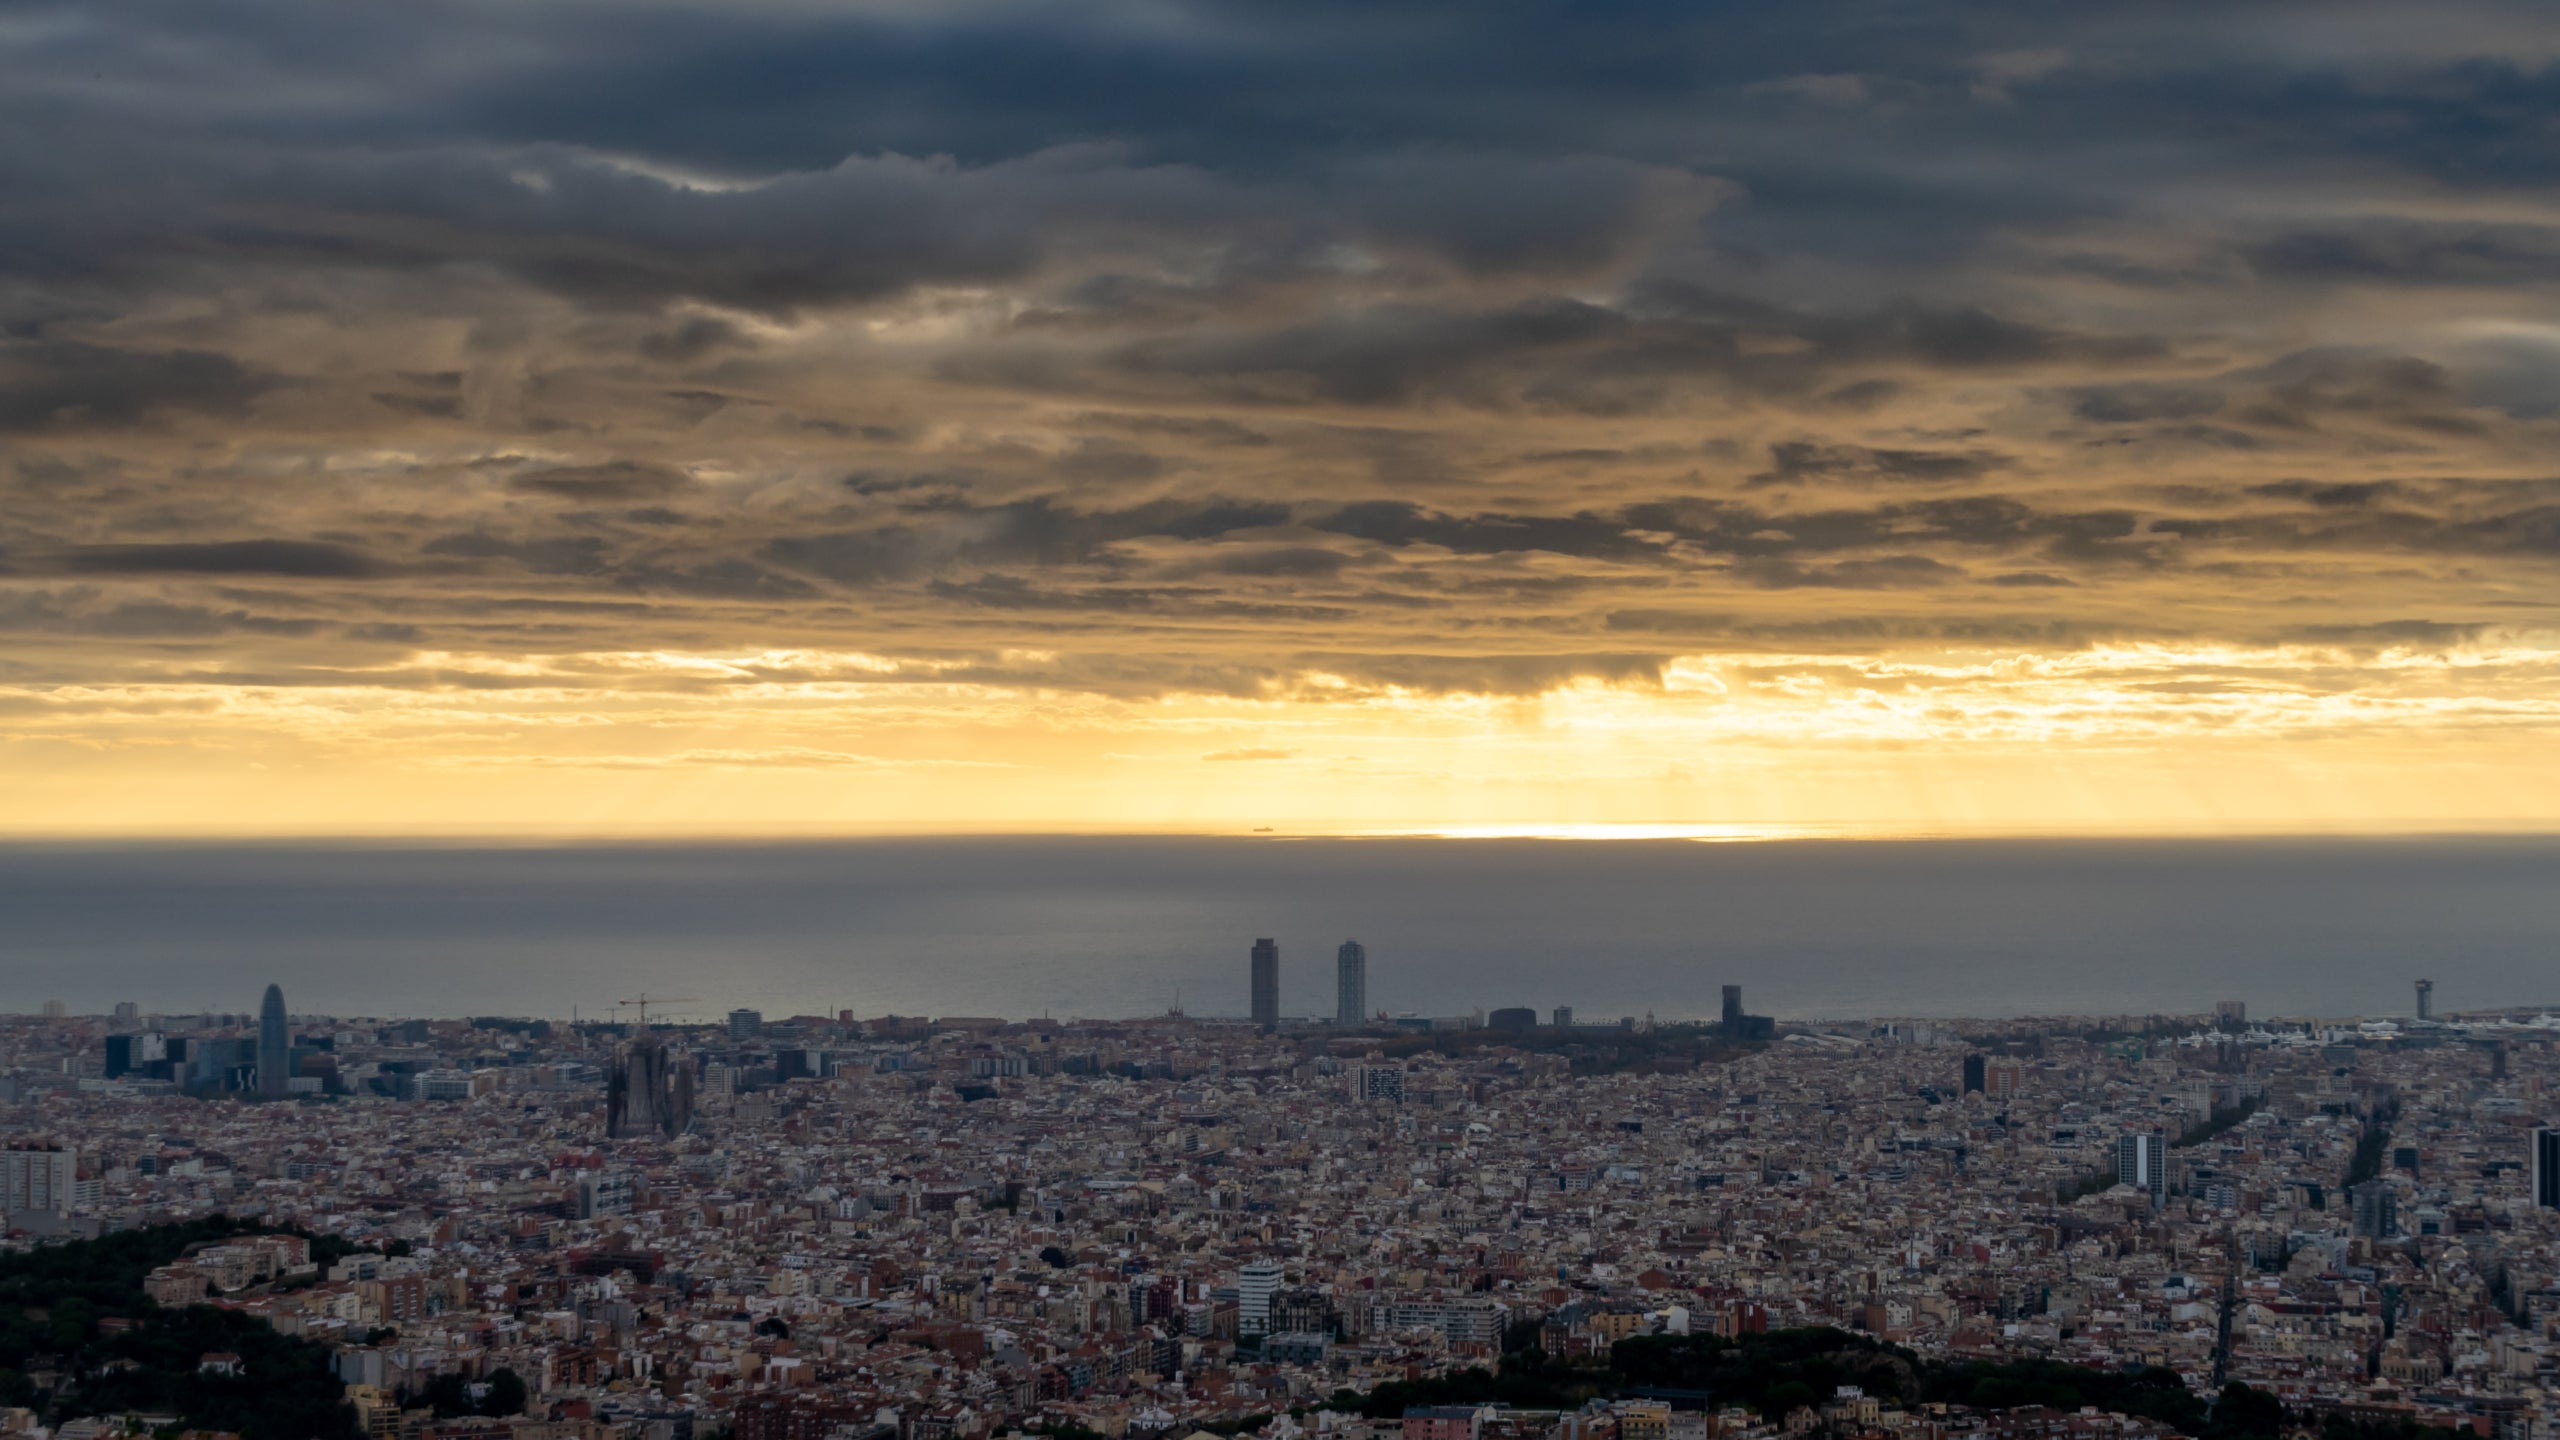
(1735,746)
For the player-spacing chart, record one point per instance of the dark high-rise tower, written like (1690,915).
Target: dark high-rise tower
(1266,984)
(275,1047)
(2543,1168)
(2374,1210)
(1741,1026)
(1351,983)
(1974,1071)
(2142,1161)
(648,1091)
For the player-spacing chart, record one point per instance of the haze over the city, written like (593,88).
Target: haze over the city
(998,416)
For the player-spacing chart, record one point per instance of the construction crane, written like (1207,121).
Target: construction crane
(646,1000)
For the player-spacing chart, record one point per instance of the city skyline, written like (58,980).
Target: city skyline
(971,1228)
(1976,1072)
(649,1088)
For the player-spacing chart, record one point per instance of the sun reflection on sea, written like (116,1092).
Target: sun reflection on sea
(1724,833)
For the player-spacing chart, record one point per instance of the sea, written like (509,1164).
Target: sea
(1125,926)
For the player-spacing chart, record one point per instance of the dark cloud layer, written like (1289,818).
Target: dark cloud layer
(1413,343)
(64,385)
(613,480)
(306,559)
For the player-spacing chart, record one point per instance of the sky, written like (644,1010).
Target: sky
(769,416)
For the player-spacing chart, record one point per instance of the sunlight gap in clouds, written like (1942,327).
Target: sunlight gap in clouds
(1738,745)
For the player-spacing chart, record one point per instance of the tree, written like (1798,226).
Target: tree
(447,1396)
(2241,1413)
(1785,1398)
(506,1394)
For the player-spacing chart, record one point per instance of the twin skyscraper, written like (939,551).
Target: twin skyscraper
(1350,981)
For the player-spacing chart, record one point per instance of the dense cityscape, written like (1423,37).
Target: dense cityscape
(901,1228)
(693,695)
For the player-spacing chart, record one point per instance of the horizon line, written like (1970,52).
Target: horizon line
(1707,832)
